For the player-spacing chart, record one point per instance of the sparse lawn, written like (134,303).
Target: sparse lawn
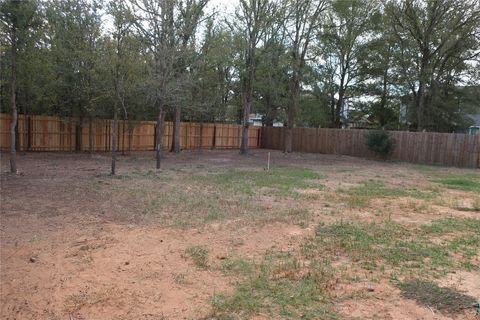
(216,236)
(361,195)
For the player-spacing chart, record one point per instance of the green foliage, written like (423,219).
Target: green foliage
(380,142)
(68,56)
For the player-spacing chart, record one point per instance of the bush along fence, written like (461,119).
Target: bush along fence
(46,133)
(452,149)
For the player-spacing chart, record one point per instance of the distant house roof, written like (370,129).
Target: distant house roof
(475,118)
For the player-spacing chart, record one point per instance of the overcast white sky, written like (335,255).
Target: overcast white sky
(223,6)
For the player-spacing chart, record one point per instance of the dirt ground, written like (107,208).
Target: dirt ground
(79,244)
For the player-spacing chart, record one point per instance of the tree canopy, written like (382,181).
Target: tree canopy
(410,64)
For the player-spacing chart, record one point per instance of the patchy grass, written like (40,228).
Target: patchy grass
(281,181)
(281,287)
(293,286)
(236,266)
(184,200)
(445,300)
(402,248)
(470,182)
(199,255)
(360,196)
(452,180)
(452,225)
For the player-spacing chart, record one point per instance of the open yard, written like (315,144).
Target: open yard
(216,236)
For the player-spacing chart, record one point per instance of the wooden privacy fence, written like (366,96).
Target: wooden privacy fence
(452,149)
(45,133)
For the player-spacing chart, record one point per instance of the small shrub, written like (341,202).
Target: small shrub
(380,142)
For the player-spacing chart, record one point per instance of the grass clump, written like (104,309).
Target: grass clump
(360,196)
(278,181)
(446,300)
(281,287)
(236,266)
(199,255)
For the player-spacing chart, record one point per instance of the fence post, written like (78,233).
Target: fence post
(214,137)
(78,135)
(29,133)
(155,137)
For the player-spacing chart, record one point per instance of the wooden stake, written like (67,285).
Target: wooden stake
(268,162)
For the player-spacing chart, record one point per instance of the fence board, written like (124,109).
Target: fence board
(452,149)
(49,133)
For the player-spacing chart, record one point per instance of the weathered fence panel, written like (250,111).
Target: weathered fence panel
(453,149)
(46,133)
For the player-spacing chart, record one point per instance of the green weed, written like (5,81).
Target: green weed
(199,255)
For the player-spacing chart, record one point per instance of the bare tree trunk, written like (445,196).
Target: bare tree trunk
(332,110)
(383,100)
(123,137)
(420,104)
(338,110)
(176,130)
(245,125)
(247,102)
(292,110)
(340,101)
(130,136)
(114,139)
(13,84)
(160,129)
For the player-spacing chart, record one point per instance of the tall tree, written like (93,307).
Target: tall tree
(304,20)
(436,39)
(253,19)
(380,77)
(16,18)
(271,87)
(122,21)
(74,35)
(344,39)
(189,14)
(157,27)
(213,74)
